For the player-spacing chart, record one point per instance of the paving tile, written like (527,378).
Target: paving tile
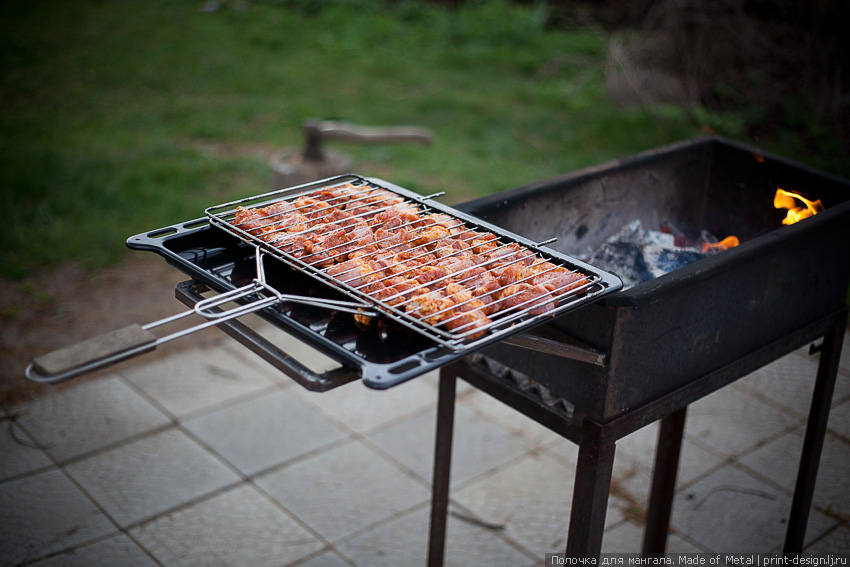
(627,537)
(236,528)
(732,512)
(844,364)
(88,416)
(197,379)
(363,409)
(19,453)
(630,484)
(638,449)
(531,499)
(836,541)
(477,446)
(150,475)
(634,460)
(46,513)
(780,460)
(306,355)
(790,381)
(263,432)
(118,550)
(404,541)
(732,423)
(508,418)
(343,490)
(326,559)
(839,420)
(565,451)
(694,462)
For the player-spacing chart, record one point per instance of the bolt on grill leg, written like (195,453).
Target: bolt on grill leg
(664,481)
(442,467)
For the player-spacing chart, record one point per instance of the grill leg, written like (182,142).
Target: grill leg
(442,467)
(664,481)
(813,441)
(590,495)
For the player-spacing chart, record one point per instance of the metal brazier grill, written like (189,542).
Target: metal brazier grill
(620,362)
(668,331)
(645,353)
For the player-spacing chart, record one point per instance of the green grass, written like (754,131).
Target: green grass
(108,108)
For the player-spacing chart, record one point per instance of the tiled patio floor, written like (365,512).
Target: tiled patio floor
(212,457)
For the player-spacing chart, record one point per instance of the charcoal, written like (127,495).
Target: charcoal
(638,255)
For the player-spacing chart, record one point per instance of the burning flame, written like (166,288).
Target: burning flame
(725,244)
(786,200)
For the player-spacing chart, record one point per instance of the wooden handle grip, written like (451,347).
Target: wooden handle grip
(131,341)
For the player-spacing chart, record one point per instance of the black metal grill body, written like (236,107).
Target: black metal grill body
(670,331)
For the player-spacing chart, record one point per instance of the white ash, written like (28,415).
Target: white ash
(638,255)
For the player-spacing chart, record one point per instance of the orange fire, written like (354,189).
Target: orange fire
(725,244)
(788,200)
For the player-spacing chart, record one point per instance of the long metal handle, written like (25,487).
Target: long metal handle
(192,291)
(110,348)
(205,308)
(107,349)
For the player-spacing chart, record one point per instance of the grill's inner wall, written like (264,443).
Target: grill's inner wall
(721,188)
(665,333)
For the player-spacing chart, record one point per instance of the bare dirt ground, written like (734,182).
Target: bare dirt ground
(69,304)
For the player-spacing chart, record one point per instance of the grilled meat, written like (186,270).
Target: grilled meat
(431,266)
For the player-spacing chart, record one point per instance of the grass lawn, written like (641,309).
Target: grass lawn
(122,116)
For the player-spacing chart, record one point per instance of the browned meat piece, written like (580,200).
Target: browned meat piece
(432,276)
(430,307)
(382,197)
(515,273)
(360,236)
(467,313)
(397,290)
(336,196)
(284,240)
(468,321)
(343,218)
(373,288)
(558,279)
(481,242)
(453,225)
(317,248)
(431,234)
(261,221)
(361,210)
(356,272)
(433,266)
(526,296)
(395,216)
(393,240)
(461,266)
(510,254)
(486,292)
(362,320)
(313,210)
(418,256)
(441,248)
